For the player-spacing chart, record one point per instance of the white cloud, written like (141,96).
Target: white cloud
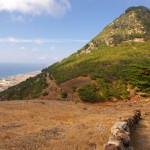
(39,40)
(36,7)
(18,18)
(35,49)
(22,48)
(55,58)
(48,57)
(18,40)
(53,48)
(43,58)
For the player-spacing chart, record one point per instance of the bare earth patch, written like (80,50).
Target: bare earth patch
(141,136)
(60,125)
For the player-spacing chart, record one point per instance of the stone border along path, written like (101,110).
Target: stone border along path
(120,133)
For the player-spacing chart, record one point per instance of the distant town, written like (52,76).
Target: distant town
(7,82)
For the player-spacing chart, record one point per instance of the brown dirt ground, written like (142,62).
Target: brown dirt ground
(61,125)
(141,135)
(55,90)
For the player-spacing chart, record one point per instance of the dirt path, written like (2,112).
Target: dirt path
(141,136)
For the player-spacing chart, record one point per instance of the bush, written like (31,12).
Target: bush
(64,94)
(108,90)
(88,93)
(74,88)
(140,77)
(45,93)
(117,39)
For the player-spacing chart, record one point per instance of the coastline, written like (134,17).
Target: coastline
(10,81)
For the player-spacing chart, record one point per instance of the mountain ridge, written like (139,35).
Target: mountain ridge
(117,60)
(129,26)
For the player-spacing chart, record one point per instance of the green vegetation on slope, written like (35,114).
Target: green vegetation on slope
(113,68)
(88,93)
(140,77)
(29,89)
(109,63)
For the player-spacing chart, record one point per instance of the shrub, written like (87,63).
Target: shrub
(74,88)
(64,94)
(123,90)
(116,89)
(45,93)
(88,93)
(117,39)
(140,77)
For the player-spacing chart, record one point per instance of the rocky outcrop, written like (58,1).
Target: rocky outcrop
(120,133)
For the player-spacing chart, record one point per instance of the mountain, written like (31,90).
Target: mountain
(113,65)
(133,25)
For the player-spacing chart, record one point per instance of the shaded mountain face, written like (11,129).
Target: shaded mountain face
(115,62)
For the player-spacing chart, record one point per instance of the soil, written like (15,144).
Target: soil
(141,135)
(65,125)
(54,90)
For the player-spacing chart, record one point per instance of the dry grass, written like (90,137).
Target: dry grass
(55,125)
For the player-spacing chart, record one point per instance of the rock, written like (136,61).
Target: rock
(112,147)
(125,138)
(120,127)
(129,148)
(114,141)
(120,139)
(145,95)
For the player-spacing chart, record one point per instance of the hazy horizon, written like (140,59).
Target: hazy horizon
(11,69)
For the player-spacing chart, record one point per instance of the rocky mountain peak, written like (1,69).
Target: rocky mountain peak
(133,25)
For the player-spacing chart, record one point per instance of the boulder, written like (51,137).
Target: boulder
(112,147)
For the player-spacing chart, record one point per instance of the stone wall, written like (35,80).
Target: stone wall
(120,133)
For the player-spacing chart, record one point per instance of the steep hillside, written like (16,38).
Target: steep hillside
(117,61)
(133,25)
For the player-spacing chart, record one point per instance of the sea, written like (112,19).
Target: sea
(7,69)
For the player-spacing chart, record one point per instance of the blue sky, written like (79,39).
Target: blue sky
(46,31)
